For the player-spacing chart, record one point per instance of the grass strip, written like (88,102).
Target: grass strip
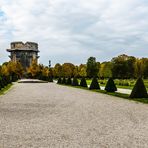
(5,89)
(115,94)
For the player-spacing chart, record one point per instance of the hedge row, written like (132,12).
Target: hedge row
(5,80)
(139,90)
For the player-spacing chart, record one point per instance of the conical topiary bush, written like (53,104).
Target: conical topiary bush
(110,86)
(69,82)
(59,80)
(64,80)
(83,82)
(75,82)
(94,84)
(139,90)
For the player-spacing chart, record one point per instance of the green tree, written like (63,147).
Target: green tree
(105,70)
(92,67)
(145,67)
(123,66)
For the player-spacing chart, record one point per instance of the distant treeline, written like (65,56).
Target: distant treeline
(121,67)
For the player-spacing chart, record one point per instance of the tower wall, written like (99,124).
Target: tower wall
(24,53)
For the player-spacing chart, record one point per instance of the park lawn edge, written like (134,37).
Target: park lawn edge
(115,94)
(5,89)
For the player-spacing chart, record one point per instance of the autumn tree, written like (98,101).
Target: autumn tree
(68,69)
(76,71)
(57,70)
(34,69)
(82,70)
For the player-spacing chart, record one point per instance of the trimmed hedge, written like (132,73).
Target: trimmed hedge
(64,80)
(59,80)
(50,79)
(110,86)
(68,82)
(83,82)
(75,82)
(139,90)
(94,84)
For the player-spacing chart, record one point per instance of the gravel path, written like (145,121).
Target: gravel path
(45,115)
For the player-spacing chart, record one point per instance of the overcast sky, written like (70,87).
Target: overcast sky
(73,30)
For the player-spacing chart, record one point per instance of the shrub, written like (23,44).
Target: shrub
(64,80)
(139,90)
(50,79)
(94,84)
(83,82)
(59,80)
(68,82)
(4,81)
(75,82)
(2,84)
(14,77)
(110,86)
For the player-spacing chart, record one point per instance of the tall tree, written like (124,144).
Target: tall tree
(123,66)
(57,70)
(105,70)
(145,67)
(92,67)
(76,71)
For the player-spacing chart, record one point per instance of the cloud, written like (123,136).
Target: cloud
(71,31)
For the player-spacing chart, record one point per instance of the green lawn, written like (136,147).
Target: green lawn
(116,94)
(126,84)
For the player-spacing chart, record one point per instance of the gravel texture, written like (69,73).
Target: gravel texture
(47,115)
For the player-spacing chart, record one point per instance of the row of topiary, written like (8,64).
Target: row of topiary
(139,90)
(45,78)
(110,86)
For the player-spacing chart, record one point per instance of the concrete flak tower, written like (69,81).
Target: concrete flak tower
(24,52)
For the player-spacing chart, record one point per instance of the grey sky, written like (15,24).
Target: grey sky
(73,30)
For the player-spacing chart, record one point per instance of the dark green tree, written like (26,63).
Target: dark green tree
(64,80)
(75,82)
(110,86)
(139,90)
(123,66)
(59,80)
(92,67)
(94,84)
(68,82)
(83,82)
(50,79)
